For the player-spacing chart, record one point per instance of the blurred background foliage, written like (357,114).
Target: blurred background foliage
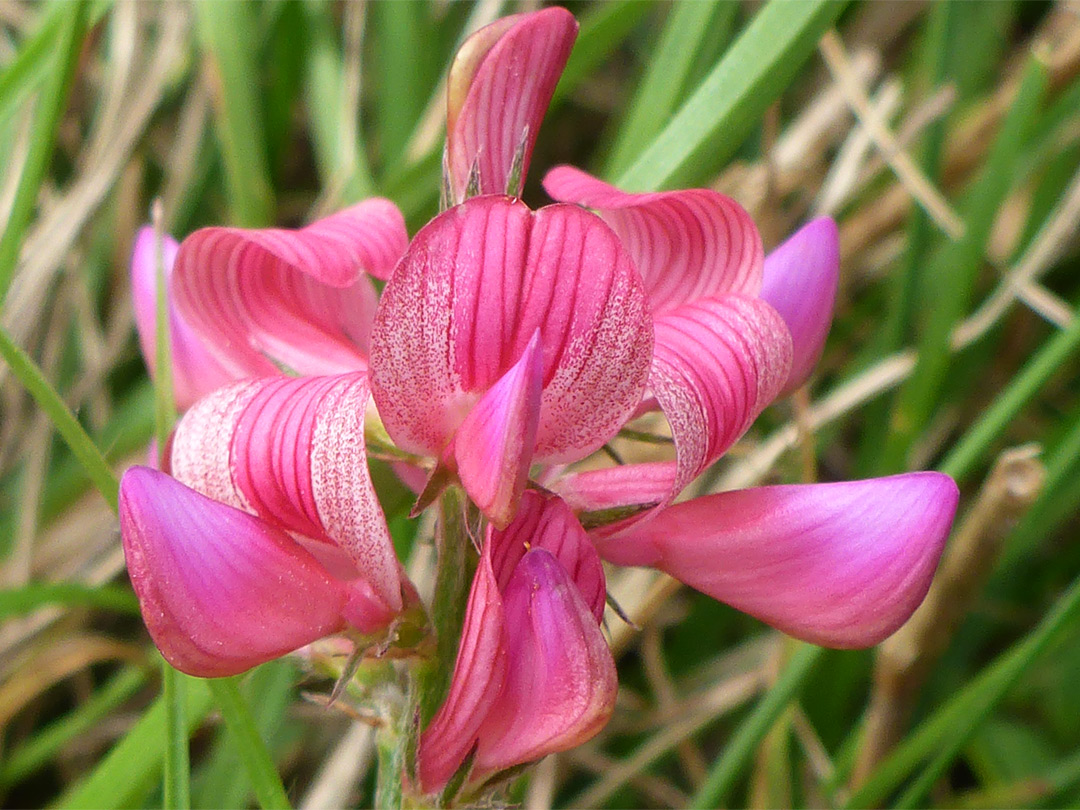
(943,137)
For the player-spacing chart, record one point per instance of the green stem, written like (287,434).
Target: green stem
(265,781)
(177,772)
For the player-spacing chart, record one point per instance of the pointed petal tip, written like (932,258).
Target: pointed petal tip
(800,281)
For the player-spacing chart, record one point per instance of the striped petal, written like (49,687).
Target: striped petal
(493,447)
(498,90)
(687,244)
(841,564)
(196,371)
(800,282)
(292,452)
(220,590)
(475,285)
(265,299)
(717,363)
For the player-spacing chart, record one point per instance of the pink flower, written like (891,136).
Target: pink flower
(679,310)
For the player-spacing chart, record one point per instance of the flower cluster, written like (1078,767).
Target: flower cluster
(507,346)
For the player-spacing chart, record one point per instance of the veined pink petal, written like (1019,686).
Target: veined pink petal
(800,282)
(220,590)
(687,244)
(493,447)
(478,677)
(301,299)
(717,363)
(546,522)
(842,564)
(499,88)
(196,370)
(560,681)
(291,450)
(475,285)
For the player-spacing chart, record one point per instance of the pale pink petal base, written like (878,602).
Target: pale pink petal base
(800,282)
(220,590)
(840,564)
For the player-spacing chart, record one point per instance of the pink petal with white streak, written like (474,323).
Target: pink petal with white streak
(300,299)
(842,564)
(800,282)
(499,88)
(475,285)
(220,590)
(493,447)
(560,683)
(196,370)
(647,483)
(687,245)
(717,363)
(292,452)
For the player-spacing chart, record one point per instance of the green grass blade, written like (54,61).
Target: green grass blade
(265,781)
(940,738)
(753,73)
(40,749)
(50,105)
(950,278)
(660,89)
(132,768)
(603,28)
(400,37)
(972,446)
(341,163)
(81,445)
(228,35)
(31,64)
(740,750)
(23,600)
(177,768)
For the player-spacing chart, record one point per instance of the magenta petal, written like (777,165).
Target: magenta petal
(717,363)
(560,681)
(474,287)
(476,682)
(499,88)
(220,590)
(493,447)
(298,299)
(687,244)
(195,369)
(292,452)
(842,565)
(546,522)
(800,282)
